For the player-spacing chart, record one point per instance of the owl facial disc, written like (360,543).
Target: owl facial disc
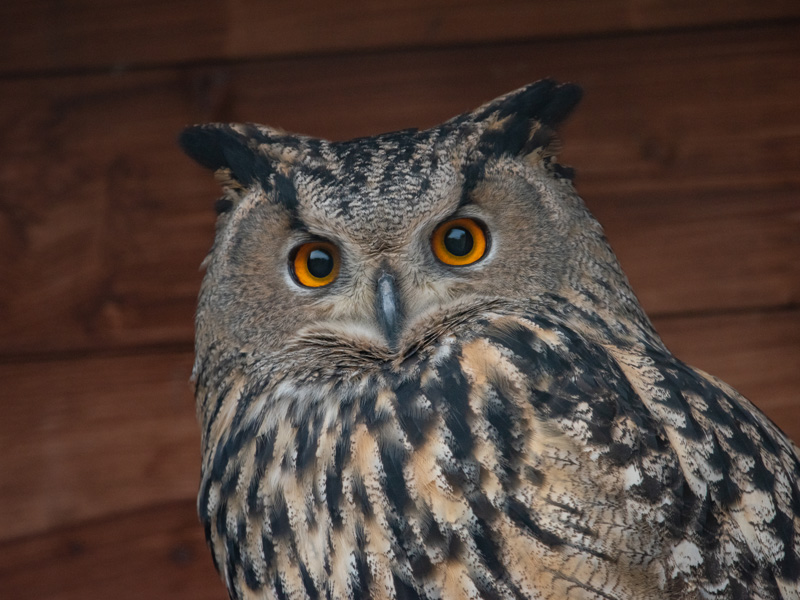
(387,307)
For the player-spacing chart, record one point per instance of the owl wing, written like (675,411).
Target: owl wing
(634,474)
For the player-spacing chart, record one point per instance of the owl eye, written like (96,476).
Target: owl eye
(459,242)
(315,264)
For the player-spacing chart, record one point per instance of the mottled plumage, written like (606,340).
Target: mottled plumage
(509,429)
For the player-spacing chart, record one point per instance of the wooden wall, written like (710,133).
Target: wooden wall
(687,148)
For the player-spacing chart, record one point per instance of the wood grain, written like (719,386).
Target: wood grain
(706,250)
(85,438)
(82,34)
(155,553)
(686,148)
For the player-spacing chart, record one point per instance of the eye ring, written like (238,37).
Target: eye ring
(314,264)
(459,242)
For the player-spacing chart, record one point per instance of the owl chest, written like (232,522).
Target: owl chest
(320,500)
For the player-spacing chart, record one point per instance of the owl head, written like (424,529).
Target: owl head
(367,249)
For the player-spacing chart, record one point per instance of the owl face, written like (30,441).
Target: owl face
(366,246)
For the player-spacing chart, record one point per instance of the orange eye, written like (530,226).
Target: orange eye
(315,264)
(459,242)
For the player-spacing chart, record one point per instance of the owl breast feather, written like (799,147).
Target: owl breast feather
(517,459)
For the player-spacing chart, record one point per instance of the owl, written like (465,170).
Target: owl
(422,374)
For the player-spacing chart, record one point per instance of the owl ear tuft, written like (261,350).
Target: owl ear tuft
(524,121)
(237,164)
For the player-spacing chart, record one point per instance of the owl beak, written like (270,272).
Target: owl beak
(387,304)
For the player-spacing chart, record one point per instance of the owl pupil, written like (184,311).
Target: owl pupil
(458,241)
(320,263)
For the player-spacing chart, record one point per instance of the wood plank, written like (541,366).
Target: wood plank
(85,438)
(691,141)
(43,34)
(156,553)
(705,250)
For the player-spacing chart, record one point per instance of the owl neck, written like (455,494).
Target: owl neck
(598,289)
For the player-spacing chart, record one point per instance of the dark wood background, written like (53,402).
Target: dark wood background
(687,148)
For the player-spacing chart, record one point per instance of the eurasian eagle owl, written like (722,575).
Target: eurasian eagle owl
(421,373)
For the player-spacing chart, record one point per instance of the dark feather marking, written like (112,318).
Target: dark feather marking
(278,517)
(240,539)
(533,475)
(789,564)
(684,507)
(726,492)
(227,451)
(393,458)
(223,205)
(307,437)
(251,577)
(450,393)
(230,482)
(530,101)
(373,416)
(489,550)
(543,101)
(285,193)
(217,566)
(366,407)
(403,591)
(279,593)
(560,171)
(678,380)
(481,506)
(207,531)
(431,533)
(650,487)
(520,514)
(221,147)
(324,176)
(364,577)
(203,498)
(472,172)
(223,393)
(333,478)
(456,476)
(360,495)
(287,459)
(502,414)
(402,537)
(265,446)
(486,588)
(543,137)
(221,520)
(268,549)
(233,560)
(308,583)
(552,405)
(314,146)
(247,166)
(421,565)
(415,420)
(620,454)
(311,515)
(519,340)
(455,547)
